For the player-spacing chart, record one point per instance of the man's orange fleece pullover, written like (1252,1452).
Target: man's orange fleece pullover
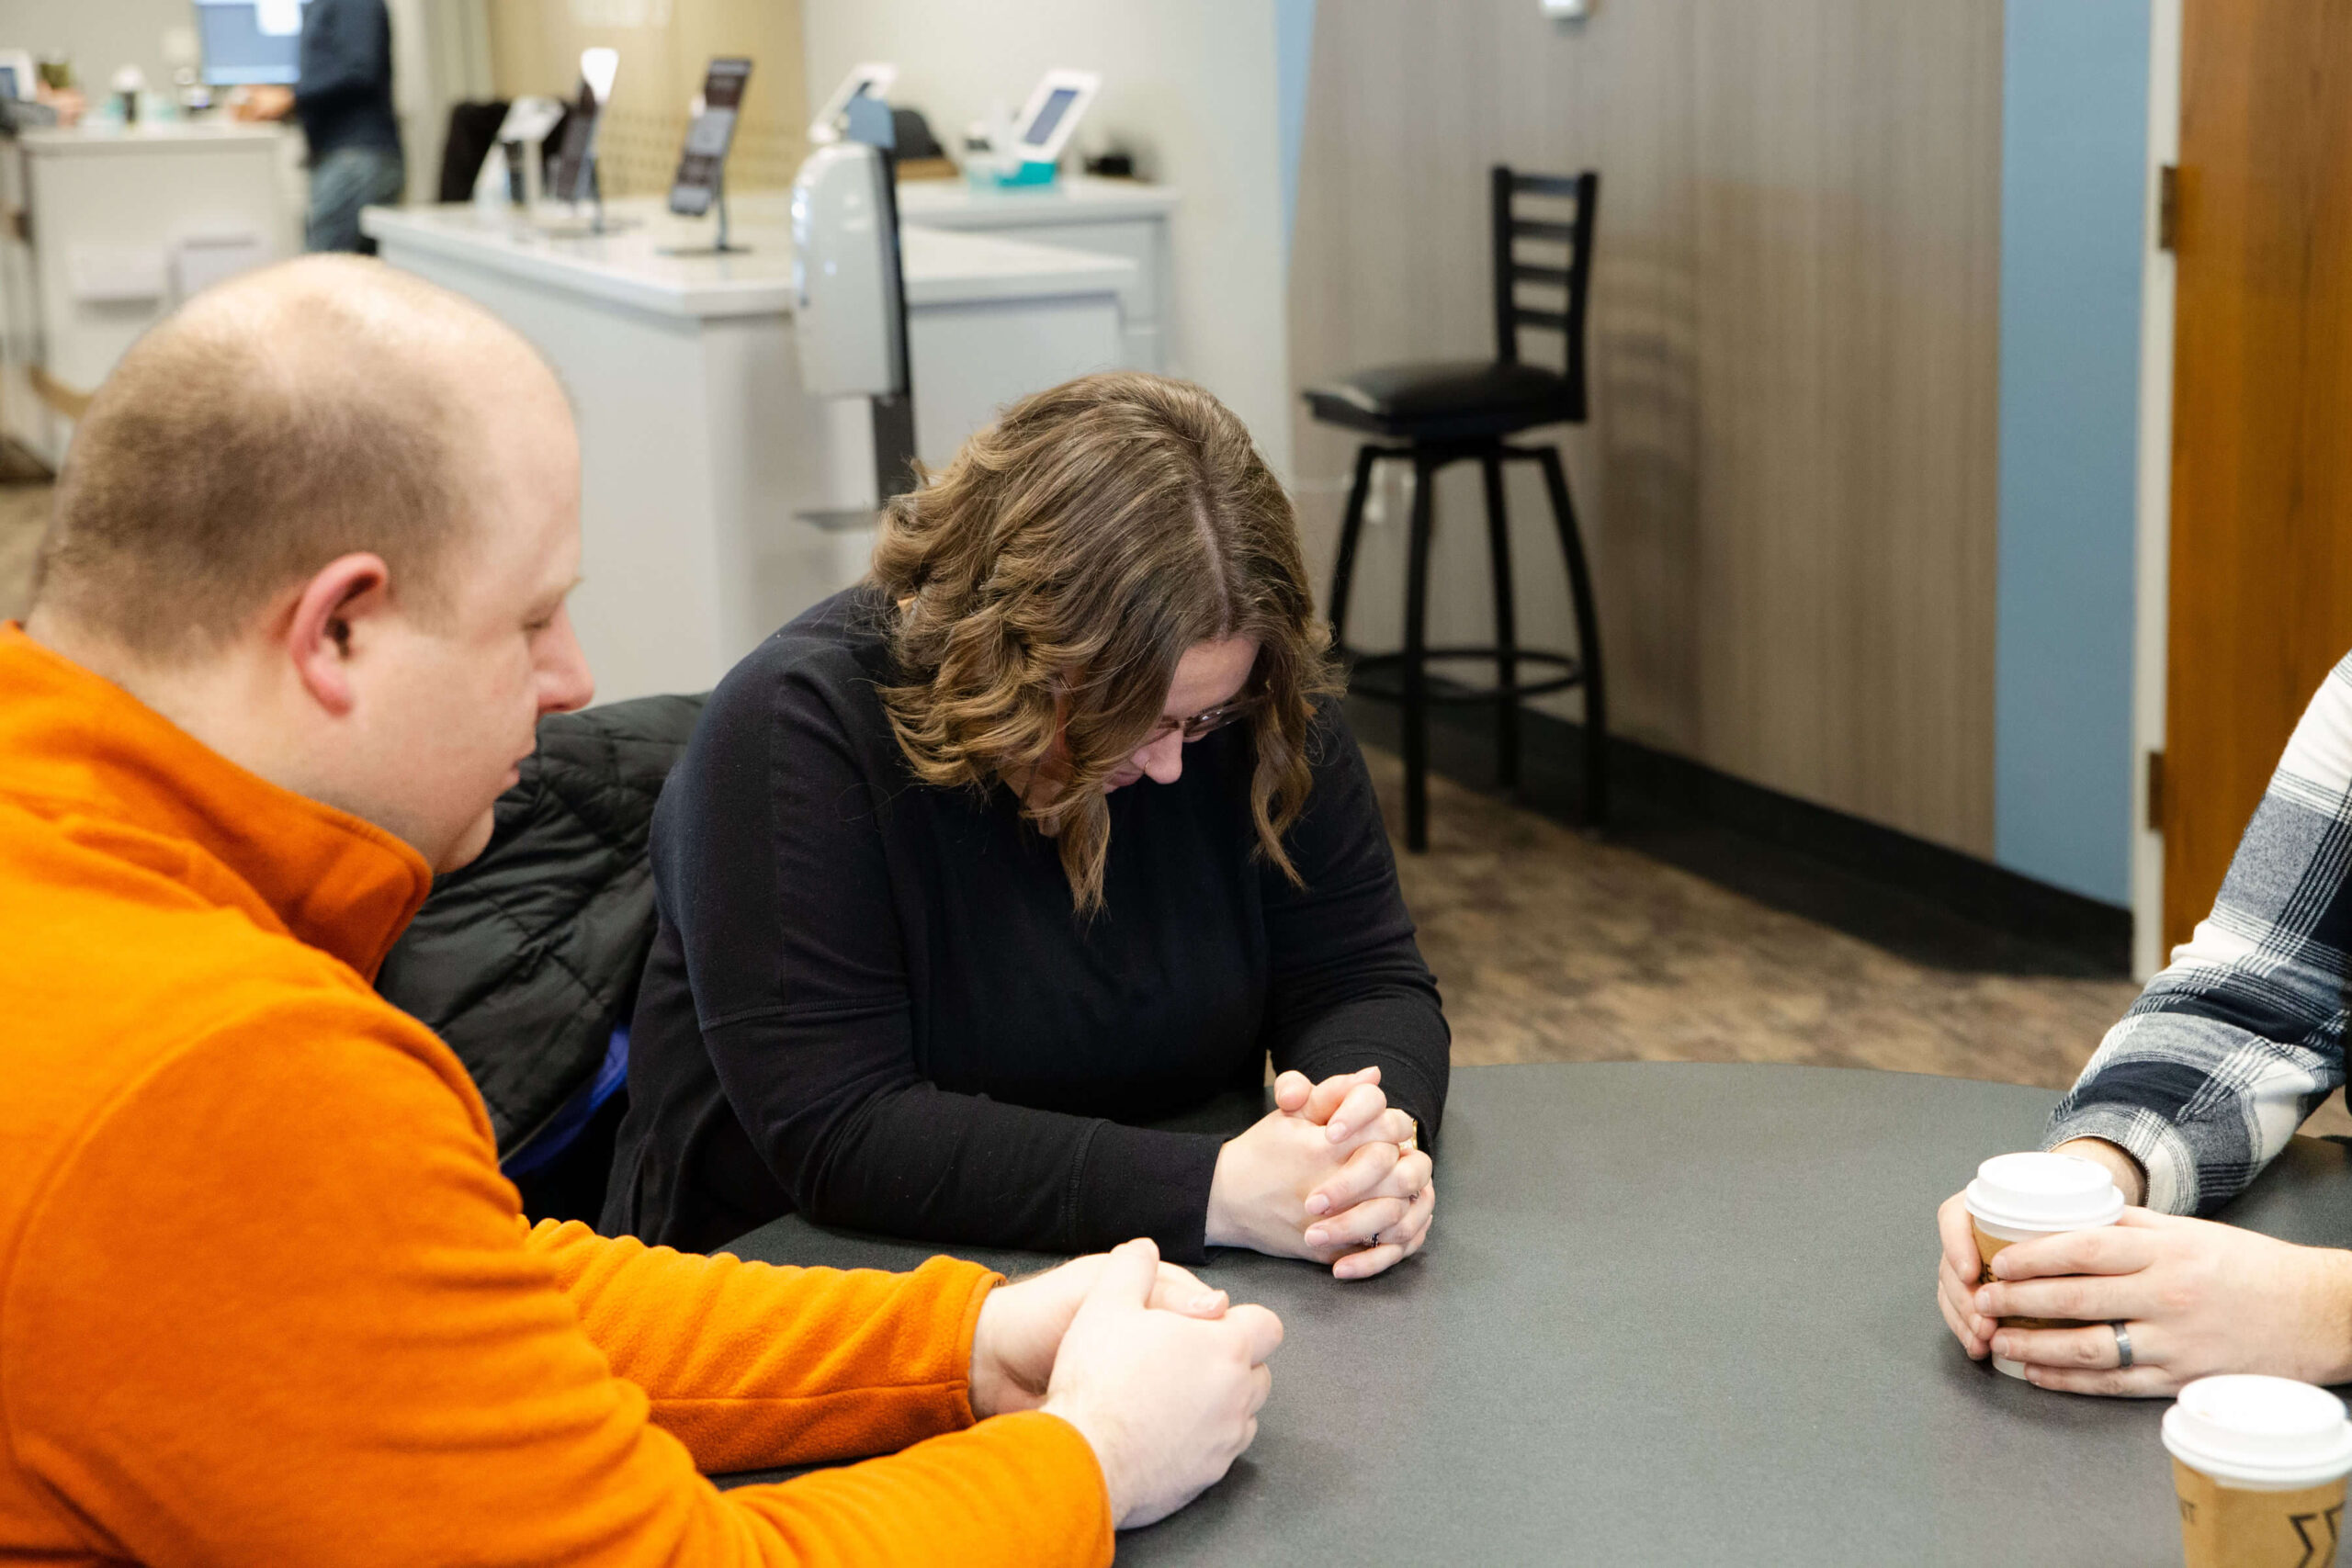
(265,1297)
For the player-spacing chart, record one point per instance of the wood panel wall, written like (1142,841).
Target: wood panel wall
(1788,481)
(664,46)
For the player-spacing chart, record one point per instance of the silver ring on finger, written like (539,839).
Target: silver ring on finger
(2122,1344)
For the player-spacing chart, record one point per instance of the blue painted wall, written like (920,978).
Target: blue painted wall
(2074,163)
(1294,50)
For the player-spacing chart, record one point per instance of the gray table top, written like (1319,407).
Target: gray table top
(1673,1312)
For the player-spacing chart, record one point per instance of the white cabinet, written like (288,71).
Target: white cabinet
(121,225)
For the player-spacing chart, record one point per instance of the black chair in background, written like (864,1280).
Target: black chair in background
(1438,414)
(474,131)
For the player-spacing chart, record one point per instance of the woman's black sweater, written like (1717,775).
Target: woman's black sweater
(870,999)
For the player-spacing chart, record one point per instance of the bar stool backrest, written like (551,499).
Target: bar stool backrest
(1573,276)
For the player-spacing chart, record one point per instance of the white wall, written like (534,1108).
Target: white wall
(97,35)
(1189,85)
(440,55)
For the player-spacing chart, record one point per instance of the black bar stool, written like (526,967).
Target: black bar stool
(1434,415)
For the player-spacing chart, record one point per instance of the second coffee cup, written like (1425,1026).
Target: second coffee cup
(2259,1465)
(2020,1197)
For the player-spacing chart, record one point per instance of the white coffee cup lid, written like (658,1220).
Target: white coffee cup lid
(2044,1192)
(2266,1432)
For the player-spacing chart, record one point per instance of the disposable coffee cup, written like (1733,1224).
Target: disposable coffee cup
(2018,1197)
(2260,1464)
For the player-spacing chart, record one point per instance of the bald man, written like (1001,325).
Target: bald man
(263,1295)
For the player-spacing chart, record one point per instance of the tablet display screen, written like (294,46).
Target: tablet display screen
(1049,115)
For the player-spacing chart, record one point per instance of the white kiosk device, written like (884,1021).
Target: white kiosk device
(849,292)
(872,80)
(845,277)
(1043,128)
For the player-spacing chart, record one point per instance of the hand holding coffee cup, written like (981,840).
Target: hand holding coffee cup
(2023,1197)
(2259,1466)
(2192,1297)
(1959,1269)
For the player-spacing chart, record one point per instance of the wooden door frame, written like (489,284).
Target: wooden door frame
(2261,491)
(2151,631)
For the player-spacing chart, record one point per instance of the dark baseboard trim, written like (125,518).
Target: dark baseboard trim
(1650,788)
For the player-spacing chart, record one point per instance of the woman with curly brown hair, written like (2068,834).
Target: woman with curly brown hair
(925,957)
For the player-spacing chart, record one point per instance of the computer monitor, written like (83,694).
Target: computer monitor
(251,42)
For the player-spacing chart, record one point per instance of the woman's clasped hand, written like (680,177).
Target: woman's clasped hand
(1333,1174)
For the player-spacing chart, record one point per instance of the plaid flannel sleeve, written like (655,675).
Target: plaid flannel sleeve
(2242,1036)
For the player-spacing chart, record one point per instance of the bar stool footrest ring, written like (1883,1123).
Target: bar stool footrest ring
(1387,672)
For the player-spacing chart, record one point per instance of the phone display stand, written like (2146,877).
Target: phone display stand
(577,165)
(522,142)
(594,226)
(597,224)
(700,184)
(719,245)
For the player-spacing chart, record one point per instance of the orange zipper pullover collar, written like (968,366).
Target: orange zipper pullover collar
(75,746)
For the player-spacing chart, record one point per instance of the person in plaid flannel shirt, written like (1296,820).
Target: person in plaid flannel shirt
(2198,1088)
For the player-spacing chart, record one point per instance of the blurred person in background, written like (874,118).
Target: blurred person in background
(344,100)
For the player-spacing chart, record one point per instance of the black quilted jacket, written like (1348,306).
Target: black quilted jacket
(524,960)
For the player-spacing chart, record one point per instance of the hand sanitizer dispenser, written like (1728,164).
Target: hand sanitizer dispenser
(845,274)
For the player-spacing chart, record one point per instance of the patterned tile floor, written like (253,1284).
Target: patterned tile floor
(1551,945)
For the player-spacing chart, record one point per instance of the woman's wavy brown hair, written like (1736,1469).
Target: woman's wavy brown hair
(1057,570)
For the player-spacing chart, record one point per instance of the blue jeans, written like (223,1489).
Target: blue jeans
(341,184)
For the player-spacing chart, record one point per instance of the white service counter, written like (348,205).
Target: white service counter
(119,224)
(701,457)
(1120,218)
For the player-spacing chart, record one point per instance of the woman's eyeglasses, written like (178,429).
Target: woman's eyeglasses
(1205,721)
